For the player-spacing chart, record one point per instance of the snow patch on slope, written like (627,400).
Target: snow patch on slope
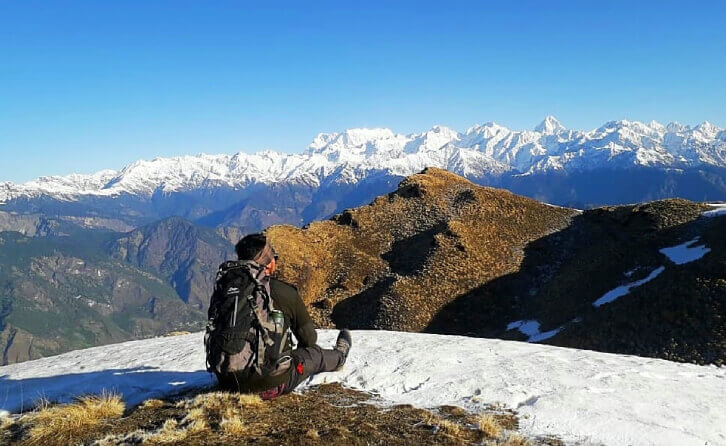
(679,254)
(623,290)
(718,209)
(581,396)
(685,252)
(531,329)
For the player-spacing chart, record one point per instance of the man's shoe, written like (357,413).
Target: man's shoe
(344,342)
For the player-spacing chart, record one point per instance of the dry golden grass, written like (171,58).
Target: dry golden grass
(5,422)
(199,412)
(152,404)
(233,426)
(169,433)
(64,423)
(329,414)
(312,434)
(472,235)
(514,439)
(489,426)
(198,426)
(170,425)
(247,400)
(218,401)
(449,427)
(195,414)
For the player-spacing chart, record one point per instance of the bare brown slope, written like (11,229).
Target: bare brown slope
(395,263)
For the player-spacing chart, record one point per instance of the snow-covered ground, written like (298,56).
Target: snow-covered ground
(718,209)
(580,396)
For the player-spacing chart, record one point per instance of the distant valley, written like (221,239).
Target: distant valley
(76,287)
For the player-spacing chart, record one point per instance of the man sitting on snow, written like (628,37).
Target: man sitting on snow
(251,318)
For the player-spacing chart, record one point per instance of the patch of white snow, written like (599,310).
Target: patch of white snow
(685,252)
(622,290)
(718,209)
(530,328)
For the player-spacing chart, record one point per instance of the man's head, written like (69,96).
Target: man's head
(255,247)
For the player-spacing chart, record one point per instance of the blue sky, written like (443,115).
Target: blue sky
(92,85)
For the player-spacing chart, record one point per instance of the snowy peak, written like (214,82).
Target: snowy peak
(349,139)
(549,126)
(488,130)
(707,129)
(482,150)
(320,141)
(676,127)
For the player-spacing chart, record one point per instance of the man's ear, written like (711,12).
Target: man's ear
(271,267)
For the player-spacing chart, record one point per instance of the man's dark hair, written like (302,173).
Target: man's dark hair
(250,246)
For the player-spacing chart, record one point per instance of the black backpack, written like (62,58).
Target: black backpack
(245,334)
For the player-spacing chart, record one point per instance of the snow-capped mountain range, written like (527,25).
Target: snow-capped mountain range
(483,152)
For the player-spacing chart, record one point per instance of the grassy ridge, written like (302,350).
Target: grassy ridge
(327,414)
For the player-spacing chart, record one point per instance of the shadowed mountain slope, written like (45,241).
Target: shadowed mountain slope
(606,283)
